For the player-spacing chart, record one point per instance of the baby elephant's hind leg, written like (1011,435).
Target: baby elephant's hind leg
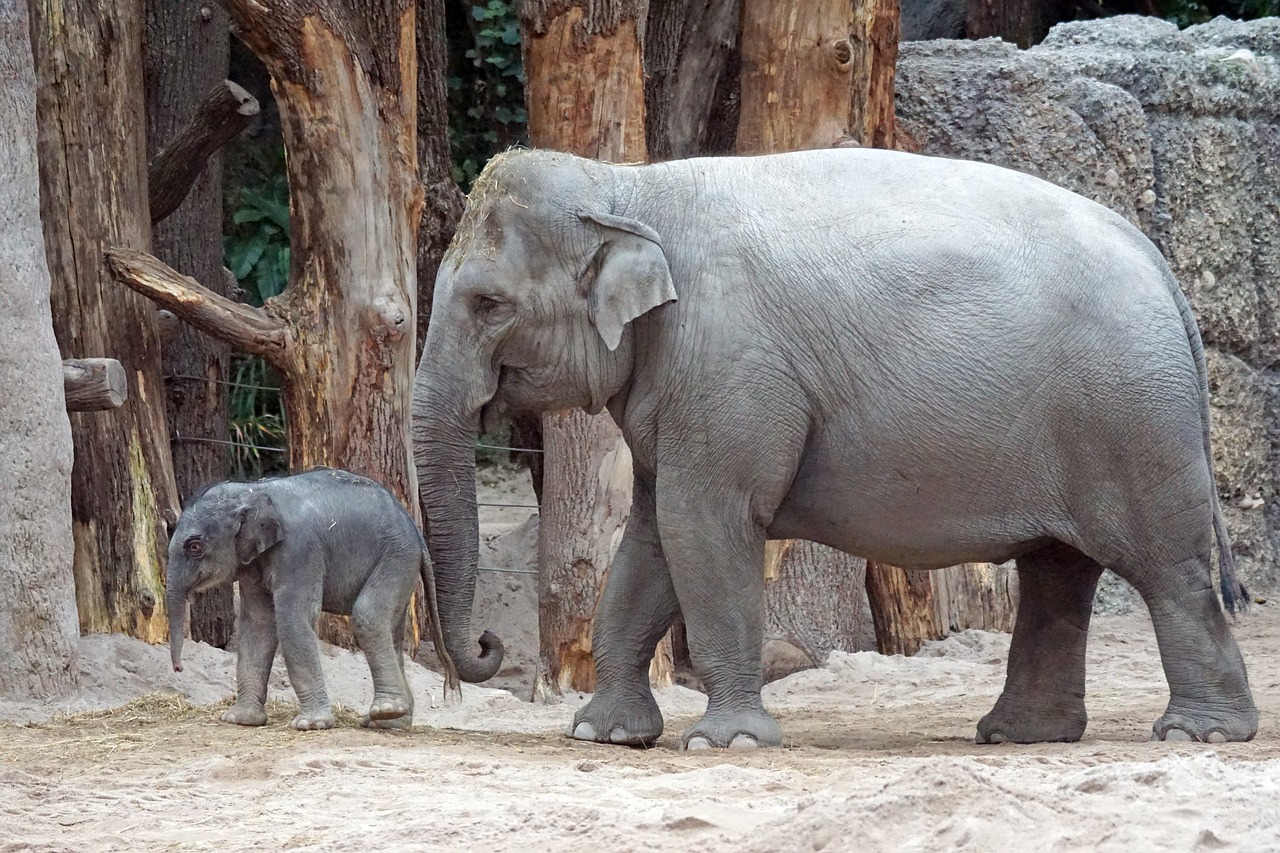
(1043,698)
(378,622)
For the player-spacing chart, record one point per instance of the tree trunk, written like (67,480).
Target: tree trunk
(442,200)
(691,64)
(186,58)
(585,93)
(39,657)
(93,195)
(797,65)
(875,60)
(797,69)
(342,334)
(903,608)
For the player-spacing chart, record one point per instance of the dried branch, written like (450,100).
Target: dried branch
(223,113)
(249,329)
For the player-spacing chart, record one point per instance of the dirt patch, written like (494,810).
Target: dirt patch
(879,756)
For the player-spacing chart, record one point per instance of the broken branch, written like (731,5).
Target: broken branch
(223,113)
(249,329)
(94,384)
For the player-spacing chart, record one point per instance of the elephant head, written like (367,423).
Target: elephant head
(225,527)
(532,312)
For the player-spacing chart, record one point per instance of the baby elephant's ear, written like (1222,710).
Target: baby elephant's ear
(628,276)
(259,525)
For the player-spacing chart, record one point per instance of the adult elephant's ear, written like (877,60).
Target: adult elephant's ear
(627,277)
(260,526)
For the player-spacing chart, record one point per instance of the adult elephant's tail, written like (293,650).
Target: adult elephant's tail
(1234,596)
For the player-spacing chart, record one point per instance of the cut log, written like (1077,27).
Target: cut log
(585,93)
(220,117)
(94,384)
(93,194)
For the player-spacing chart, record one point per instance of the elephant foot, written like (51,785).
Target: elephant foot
(389,708)
(313,721)
(1188,726)
(399,723)
(1008,722)
(245,715)
(633,721)
(735,730)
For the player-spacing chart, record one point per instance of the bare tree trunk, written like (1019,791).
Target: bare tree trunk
(585,93)
(875,59)
(93,195)
(186,57)
(1024,22)
(39,657)
(797,67)
(342,334)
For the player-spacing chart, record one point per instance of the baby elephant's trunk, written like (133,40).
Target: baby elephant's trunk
(177,605)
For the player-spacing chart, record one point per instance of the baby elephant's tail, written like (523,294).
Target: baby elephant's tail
(451,681)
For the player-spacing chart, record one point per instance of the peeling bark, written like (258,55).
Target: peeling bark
(93,195)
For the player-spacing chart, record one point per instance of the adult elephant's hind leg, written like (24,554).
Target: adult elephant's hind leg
(1043,698)
(636,609)
(1209,695)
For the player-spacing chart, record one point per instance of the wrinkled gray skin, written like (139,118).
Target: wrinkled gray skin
(917,360)
(326,540)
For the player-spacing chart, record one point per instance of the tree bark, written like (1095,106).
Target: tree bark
(93,195)
(691,64)
(1024,22)
(342,334)
(191,112)
(39,656)
(876,33)
(442,199)
(797,69)
(585,94)
(903,608)
(94,384)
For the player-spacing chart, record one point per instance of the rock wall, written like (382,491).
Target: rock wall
(1179,131)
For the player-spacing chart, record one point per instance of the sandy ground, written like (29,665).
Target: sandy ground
(878,757)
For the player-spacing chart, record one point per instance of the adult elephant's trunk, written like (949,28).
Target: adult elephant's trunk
(445,455)
(176,603)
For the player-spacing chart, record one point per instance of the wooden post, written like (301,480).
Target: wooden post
(342,334)
(93,194)
(39,650)
(94,384)
(585,93)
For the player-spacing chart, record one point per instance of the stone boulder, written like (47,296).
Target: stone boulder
(1178,131)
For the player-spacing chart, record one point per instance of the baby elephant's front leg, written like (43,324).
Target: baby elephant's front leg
(296,620)
(256,649)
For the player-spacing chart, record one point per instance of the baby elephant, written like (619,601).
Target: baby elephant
(324,540)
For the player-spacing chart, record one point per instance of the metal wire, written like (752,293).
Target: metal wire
(511,506)
(223,382)
(229,443)
(507,571)
(512,449)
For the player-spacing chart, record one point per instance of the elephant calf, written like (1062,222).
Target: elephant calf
(326,540)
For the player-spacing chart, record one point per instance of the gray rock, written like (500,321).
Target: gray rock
(1179,132)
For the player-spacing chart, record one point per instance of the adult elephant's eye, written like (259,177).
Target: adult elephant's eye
(491,309)
(194,547)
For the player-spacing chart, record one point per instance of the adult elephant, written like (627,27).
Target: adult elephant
(917,360)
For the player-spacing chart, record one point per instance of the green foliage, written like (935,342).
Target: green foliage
(1184,13)
(486,84)
(256,250)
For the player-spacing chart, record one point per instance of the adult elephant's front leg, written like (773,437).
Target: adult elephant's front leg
(715,550)
(636,609)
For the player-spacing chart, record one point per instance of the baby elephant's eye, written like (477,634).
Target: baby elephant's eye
(194,547)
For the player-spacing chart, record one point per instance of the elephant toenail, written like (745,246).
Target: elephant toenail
(583,731)
(698,743)
(619,735)
(1178,735)
(1216,737)
(997,737)
(743,742)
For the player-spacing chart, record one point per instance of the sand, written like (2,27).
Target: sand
(878,756)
